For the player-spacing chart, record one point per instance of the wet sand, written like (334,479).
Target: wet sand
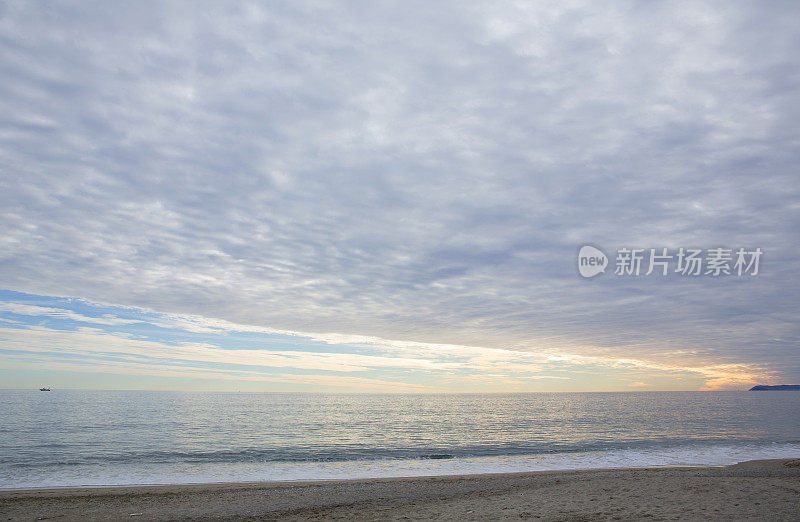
(755,490)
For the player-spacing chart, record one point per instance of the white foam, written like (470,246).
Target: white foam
(718,455)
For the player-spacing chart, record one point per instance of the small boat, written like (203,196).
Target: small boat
(44,389)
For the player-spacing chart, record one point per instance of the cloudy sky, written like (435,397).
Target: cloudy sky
(390,196)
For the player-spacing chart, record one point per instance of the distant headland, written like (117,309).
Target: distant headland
(781,387)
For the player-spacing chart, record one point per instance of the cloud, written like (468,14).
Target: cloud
(33,310)
(423,174)
(82,343)
(15,362)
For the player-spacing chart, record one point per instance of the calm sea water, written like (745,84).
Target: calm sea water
(68,438)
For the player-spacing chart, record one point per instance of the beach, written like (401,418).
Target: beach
(754,490)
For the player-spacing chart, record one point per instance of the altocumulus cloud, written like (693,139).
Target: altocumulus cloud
(416,172)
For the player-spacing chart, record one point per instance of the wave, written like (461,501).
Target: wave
(131,473)
(64,455)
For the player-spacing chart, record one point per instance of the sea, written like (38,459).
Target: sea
(68,438)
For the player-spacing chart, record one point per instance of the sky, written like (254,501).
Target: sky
(391,196)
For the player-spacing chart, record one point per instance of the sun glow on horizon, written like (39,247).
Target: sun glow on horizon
(79,339)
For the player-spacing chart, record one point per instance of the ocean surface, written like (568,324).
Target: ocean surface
(71,438)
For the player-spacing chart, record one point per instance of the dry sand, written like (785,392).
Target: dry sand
(756,490)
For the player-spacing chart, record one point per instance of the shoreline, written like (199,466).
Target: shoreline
(121,488)
(246,472)
(752,489)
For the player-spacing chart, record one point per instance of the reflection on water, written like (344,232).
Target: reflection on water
(217,436)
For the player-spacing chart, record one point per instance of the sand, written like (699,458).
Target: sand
(756,490)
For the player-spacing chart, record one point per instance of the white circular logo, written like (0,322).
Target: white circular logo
(591,261)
